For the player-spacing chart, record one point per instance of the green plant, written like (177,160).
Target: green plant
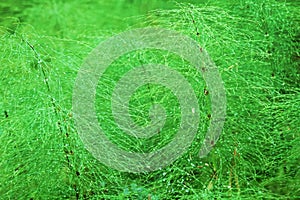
(255,46)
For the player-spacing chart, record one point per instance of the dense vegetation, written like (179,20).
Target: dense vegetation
(255,45)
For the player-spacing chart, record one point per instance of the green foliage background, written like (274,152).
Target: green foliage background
(255,45)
